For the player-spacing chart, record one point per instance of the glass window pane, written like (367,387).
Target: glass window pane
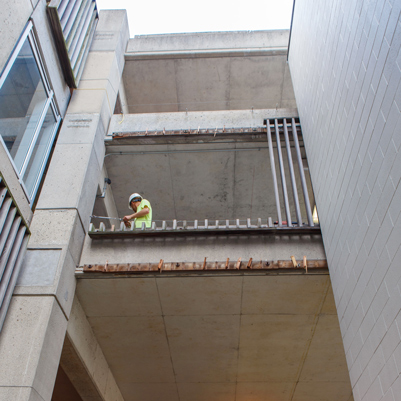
(22,99)
(34,169)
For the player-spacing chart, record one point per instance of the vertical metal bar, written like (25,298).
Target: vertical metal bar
(282,172)
(302,174)
(273,168)
(292,174)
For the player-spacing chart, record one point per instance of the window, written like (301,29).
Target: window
(28,115)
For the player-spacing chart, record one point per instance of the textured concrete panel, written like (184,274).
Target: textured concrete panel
(100,66)
(207,71)
(49,229)
(209,391)
(325,363)
(112,34)
(39,268)
(19,394)
(189,341)
(92,97)
(203,84)
(203,295)
(23,333)
(254,391)
(141,339)
(322,391)
(269,349)
(158,391)
(302,295)
(147,90)
(137,297)
(74,170)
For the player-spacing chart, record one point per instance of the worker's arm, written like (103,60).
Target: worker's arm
(129,217)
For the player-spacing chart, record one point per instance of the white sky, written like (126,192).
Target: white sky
(175,16)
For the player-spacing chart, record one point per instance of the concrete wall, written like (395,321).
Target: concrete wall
(345,64)
(208,71)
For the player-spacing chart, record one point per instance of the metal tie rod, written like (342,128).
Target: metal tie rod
(273,168)
(283,181)
(302,174)
(107,218)
(292,174)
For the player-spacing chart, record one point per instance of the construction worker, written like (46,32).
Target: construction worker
(142,209)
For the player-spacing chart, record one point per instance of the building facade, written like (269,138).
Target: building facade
(229,295)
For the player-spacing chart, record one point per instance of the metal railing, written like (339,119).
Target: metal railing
(200,227)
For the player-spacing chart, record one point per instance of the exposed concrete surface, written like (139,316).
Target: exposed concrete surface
(228,83)
(207,41)
(196,119)
(202,338)
(208,71)
(195,249)
(37,321)
(83,361)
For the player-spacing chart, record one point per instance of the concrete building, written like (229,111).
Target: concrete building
(238,291)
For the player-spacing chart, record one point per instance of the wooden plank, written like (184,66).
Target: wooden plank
(294,262)
(238,265)
(249,265)
(132,267)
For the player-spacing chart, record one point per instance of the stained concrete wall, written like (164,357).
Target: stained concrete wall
(345,64)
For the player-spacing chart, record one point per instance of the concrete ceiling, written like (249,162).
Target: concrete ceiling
(221,338)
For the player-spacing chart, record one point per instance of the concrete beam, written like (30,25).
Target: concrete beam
(151,250)
(195,119)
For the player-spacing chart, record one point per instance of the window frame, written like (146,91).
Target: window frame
(29,34)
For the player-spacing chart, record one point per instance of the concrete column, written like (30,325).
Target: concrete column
(34,331)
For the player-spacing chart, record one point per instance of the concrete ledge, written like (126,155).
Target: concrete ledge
(227,266)
(245,52)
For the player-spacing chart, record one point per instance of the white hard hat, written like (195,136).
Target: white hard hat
(133,197)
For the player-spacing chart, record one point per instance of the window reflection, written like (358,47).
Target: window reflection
(27,119)
(22,100)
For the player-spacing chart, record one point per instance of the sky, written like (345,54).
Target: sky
(176,16)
